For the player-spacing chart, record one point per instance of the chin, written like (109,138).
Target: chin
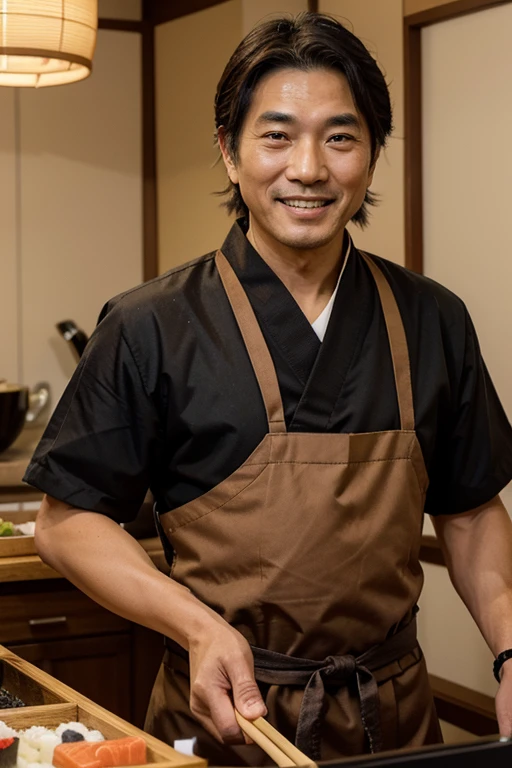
(306,240)
(305,243)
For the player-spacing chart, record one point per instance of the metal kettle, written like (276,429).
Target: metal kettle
(19,406)
(76,337)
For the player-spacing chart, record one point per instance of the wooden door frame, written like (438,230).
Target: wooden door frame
(145,28)
(413,24)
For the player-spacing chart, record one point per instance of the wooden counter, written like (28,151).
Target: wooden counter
(50,623)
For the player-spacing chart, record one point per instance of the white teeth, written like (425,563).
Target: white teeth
(305,203)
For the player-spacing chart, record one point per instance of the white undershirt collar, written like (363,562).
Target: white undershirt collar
(320,324)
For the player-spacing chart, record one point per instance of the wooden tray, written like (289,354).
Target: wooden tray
(12,546)
(50,703)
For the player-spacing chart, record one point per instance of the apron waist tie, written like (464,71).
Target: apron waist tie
(279,669)
(275,668)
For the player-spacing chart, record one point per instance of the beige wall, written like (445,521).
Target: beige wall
(379,24)
(191,53)
(9,327)
(77,199)
(467,172)
(467,176)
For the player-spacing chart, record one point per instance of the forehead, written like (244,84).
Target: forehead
(316,93)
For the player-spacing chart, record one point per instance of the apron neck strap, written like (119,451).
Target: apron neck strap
(397,343)
(255,343)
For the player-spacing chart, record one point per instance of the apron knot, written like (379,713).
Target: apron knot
(339,669)
(280,669)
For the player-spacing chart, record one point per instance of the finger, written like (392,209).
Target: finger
(217,714)
(247,697)
(505,724)
(504,712)
(223,717)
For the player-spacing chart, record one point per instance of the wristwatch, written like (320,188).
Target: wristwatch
(500,659)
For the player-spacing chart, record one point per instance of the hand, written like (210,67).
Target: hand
(221,678)
(504,700)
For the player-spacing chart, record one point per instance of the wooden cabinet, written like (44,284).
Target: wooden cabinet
(97,667)
(62,631)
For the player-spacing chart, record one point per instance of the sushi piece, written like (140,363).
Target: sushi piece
(130,750)
(77,728)
(9,752)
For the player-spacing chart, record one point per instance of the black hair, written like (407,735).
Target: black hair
(307,42)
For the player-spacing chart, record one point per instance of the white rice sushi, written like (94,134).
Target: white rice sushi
(37,743)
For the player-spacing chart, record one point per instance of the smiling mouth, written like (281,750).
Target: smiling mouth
(305,203)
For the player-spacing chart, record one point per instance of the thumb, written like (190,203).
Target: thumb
(247,697)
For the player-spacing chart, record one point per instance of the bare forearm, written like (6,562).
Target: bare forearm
(106,563)
(478,550)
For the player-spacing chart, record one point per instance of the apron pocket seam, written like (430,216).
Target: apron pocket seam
(218,506)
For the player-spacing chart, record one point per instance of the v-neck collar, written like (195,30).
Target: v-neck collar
(321,367)
(278,313)
(349,322)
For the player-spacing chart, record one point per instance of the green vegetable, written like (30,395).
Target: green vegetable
(6,528)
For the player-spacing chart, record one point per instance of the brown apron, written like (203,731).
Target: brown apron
(311,550)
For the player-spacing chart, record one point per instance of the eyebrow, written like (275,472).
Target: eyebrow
(345,120)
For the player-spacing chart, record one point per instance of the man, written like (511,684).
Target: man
(295,406)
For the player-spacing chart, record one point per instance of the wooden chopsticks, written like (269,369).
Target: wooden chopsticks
(283,752)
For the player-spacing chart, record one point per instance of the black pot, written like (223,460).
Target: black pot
(14,402)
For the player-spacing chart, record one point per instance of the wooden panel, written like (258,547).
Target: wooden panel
(62,613)
(31,693)
(149,160)
(419,13)
(413,151)
(99,668)
(29,716)
(464,707)
(431,551)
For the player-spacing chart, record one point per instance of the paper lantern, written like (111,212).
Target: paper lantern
(46,42)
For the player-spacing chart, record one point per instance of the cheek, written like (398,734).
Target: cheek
(353,172)
(260,167)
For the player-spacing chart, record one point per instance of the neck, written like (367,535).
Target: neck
(310,275)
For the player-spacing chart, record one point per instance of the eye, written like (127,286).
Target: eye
(341,138)
(275,136)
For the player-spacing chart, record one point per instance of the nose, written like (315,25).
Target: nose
(306,162)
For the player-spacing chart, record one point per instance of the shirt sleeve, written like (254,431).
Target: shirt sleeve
(103,439)
(473,456)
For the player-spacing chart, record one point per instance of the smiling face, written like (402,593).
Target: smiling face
(304,159)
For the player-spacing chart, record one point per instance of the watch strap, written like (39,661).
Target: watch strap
(500,659)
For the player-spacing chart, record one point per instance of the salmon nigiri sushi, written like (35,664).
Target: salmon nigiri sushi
(130,750)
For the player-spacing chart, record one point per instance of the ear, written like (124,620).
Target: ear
(371,170)
(228,161)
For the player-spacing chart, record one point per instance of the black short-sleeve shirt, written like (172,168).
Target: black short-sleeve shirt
(165,397)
